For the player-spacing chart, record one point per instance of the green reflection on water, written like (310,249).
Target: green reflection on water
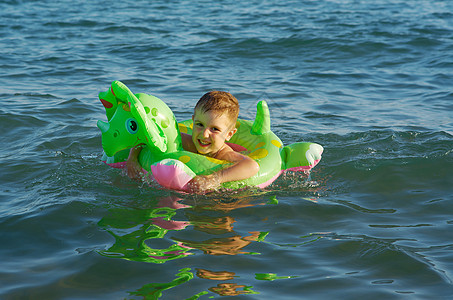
(132,228)
(271,276)
(273,200)
(154,290)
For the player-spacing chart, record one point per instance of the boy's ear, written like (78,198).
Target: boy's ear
(231,133)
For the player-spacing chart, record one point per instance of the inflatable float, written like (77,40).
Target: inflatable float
(135,119)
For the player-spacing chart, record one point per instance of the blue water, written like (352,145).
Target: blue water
(369,80)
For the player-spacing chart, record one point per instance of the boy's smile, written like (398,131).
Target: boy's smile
(210,131)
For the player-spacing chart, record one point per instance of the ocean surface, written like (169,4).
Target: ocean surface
(371,81)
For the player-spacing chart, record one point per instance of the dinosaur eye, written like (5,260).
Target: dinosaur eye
(131,126)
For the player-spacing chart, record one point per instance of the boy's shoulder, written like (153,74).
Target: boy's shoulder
(187,142)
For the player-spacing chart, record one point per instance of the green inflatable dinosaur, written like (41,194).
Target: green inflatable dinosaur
(134,119)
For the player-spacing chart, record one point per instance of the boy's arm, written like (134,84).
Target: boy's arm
(243,168)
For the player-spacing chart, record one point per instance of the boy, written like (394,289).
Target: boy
(214,123)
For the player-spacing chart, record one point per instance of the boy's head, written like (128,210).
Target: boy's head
(214,121)
(220,103)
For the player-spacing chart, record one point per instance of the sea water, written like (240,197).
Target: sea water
(371,81)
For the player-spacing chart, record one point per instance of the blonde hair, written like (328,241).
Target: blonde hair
(219,102)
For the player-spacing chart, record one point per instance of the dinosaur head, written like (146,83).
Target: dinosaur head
(121,132)
(135,119)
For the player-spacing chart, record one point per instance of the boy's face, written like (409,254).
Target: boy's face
(210,131)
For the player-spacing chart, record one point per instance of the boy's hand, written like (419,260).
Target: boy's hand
(204,183)
(133,168)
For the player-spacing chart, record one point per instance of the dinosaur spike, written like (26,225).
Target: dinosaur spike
(109,102)
(106,103)
(262,122)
